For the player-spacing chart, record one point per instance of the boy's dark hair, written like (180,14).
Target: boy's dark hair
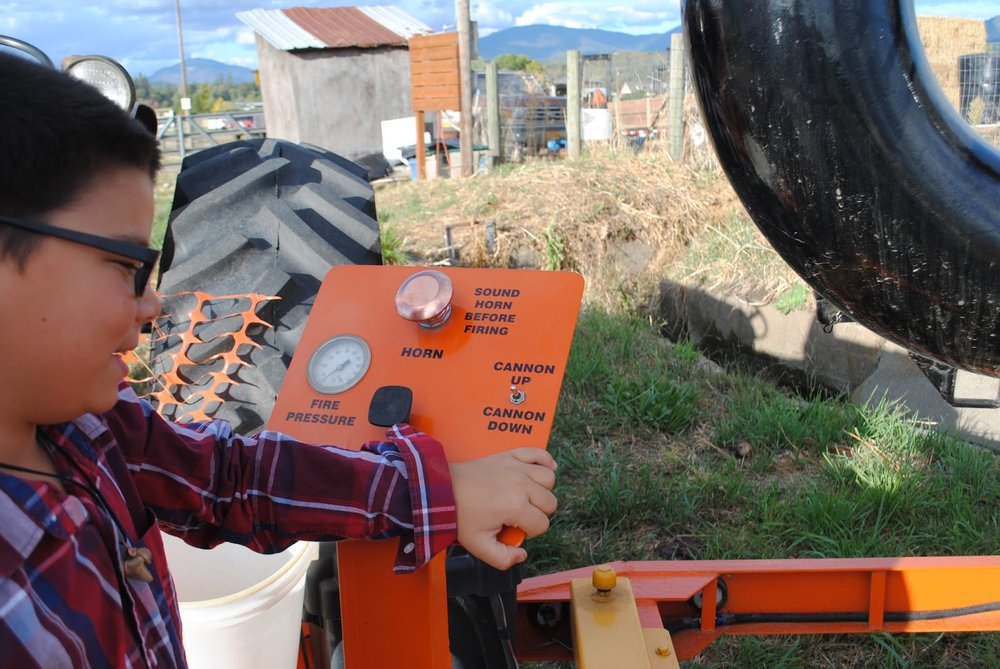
(57,135)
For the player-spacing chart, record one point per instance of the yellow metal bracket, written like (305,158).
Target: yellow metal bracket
(607,633)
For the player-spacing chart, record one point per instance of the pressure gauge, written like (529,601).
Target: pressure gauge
(338,364)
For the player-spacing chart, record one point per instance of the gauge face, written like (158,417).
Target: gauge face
(338,364)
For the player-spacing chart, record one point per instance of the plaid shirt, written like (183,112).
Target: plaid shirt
(61,556)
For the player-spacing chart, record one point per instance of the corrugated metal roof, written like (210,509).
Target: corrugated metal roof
(340,27)
(279,30)
(333,27)
(396,20)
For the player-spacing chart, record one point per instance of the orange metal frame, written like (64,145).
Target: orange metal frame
(507,327)
(923,594)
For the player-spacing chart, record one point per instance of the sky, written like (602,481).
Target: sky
(142,34)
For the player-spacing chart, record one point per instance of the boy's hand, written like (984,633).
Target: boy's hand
(511,488)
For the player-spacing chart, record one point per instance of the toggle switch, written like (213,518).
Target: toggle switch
(425,298)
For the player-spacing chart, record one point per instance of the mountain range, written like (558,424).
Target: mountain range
(202,71)
(543,42)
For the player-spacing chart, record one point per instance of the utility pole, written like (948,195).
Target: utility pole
(185,100)
(465,79)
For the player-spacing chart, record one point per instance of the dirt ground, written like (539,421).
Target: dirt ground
(620,217)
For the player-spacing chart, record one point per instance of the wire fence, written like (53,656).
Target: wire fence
(633,88)
(965,65)
(625,99)
(625,95)
(979,92)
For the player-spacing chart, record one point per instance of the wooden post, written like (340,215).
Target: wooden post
(676,109)
(421,155)
(616,132)
(573,131)
(493,115)
(465,75)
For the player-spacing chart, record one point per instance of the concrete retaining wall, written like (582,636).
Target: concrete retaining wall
(850,358)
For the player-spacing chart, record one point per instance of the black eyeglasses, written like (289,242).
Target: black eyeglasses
(137,252)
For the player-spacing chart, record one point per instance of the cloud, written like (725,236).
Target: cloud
(554,13)
(642,17)
(245,36)
(492,16)
(143,33)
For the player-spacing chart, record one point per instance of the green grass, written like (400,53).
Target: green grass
(819,477)
(416,207)
(163,197)
(392,246)
(797,297)
(734,253)
(555,249)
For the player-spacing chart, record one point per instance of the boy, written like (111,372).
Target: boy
(89,474)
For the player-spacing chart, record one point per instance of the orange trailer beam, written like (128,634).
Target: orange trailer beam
(766,597)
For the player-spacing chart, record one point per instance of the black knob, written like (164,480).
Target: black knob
(390,405)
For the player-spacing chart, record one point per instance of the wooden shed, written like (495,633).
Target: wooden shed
(330,76)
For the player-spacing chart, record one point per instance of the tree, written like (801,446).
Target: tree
(222,95)
(202,100)
(518,61)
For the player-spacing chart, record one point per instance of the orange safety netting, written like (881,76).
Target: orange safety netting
(177,382)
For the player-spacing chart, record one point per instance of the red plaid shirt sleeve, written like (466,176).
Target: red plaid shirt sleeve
(208,485)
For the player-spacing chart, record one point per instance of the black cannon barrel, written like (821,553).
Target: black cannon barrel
(836,136)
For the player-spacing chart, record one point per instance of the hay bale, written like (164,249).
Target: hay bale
(944,41)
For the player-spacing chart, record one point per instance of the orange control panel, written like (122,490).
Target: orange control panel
(477,356)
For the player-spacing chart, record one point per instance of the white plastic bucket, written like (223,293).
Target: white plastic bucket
(240,609)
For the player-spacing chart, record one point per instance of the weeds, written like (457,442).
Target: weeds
(733,253)
(796,297)
(571,214)
(555,250)
(392,246)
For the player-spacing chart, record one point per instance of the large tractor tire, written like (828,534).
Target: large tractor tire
(834,132)
(263,217)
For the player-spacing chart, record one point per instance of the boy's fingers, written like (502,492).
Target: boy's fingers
(533,521)
(500,556)
(534,456)
(543,476)
(543,500)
